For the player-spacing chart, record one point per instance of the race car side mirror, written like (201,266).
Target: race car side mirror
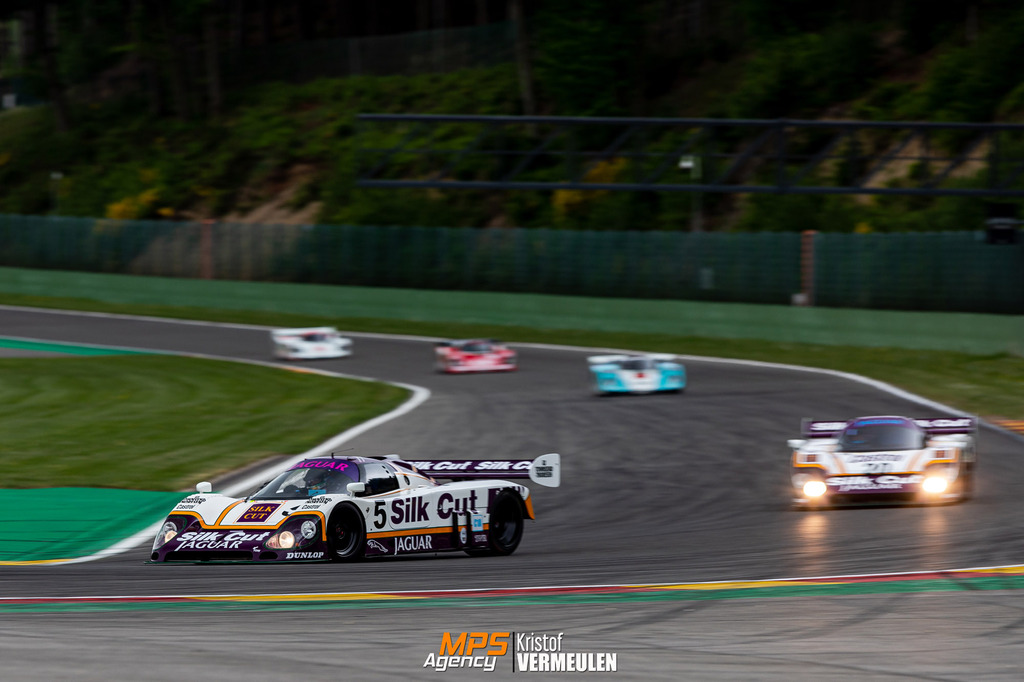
(203,487)
(796,443)
(355,489)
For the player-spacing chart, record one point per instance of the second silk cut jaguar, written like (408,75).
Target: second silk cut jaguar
(884,459)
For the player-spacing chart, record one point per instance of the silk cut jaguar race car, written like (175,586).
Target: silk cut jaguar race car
(310,343)
(474,355)
(348,508)
(884,459)
(636,373)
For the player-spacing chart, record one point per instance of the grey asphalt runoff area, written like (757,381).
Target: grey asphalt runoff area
(656,489)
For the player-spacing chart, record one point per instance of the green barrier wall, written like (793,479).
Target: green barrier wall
(971,333)
(955,271)
(913,271)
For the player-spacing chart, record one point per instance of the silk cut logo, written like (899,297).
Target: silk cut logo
(258,513)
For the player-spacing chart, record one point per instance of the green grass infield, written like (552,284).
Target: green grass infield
(158,422)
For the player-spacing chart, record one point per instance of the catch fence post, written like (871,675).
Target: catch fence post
(206,249)
(807,267)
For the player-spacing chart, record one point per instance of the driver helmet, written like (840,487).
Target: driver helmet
(316,482)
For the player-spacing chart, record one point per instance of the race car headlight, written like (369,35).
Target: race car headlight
(935,484)
(295,534)
(814,488)
(283,540)
(167,533)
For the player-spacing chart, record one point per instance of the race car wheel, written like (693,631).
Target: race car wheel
(346,534)
(967,484)
(505,529)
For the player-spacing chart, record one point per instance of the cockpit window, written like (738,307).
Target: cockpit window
(638,364)
(871,435)
(380,478)
(310,478)
(476,347)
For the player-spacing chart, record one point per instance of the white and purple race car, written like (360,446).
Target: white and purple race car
(884,459)
(310,343)
(347,508)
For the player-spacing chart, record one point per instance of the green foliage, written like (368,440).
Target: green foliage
(798,75)
(803,58)
(800,212)
(115,154)
(928,214)
(1011,107)
(768,20)
(585,49)
(969,83)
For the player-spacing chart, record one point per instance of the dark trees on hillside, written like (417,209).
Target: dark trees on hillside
(596,57)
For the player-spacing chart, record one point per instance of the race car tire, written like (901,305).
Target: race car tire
(967,485)
(505,528)
(346,534)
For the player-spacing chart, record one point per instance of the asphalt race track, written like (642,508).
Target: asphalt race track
(655,489)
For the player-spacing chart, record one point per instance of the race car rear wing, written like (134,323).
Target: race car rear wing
(546,470)
(449,344)
(933,427)
(605,359)
(299,331)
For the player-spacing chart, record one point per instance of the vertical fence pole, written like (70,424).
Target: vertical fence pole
(806,268)
(206,249)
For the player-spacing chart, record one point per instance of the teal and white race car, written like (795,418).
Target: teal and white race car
(636,373)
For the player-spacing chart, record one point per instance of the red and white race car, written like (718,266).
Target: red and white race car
(474,355)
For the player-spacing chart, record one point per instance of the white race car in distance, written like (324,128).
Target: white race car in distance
(636,373)
(310,343)
(884,459)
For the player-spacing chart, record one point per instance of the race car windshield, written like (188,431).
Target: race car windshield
(313,338)
(638,364)
(881,435)
(310,478)
(476,347)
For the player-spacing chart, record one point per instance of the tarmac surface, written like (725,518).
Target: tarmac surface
(655,489)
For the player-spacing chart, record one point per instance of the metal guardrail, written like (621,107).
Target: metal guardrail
(690,155)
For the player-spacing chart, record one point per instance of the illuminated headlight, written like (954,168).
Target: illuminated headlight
(814,488)
(283,540)
(167,533)
(308,529)
(935,484)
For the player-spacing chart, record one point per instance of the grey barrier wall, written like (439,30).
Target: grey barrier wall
(956,271)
